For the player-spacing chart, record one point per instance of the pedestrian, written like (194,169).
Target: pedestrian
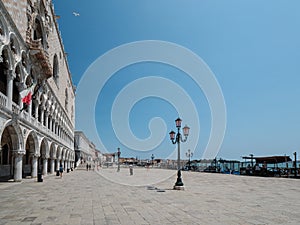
(87,167)
(61,170)
(131,170)
(90,166)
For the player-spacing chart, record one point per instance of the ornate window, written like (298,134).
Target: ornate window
(55,69)
(3,29)
(3,72)
(24,60)
(38,33)
(16,83)
(66,99)
(72,113)
(13,46)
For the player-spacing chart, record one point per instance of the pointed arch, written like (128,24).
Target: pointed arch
(32,137)
(31,148)
(16,134)
(59,153)
(3,29)
(55,69)
(7,57)
(11,142)
(14,45)
(44,148)
(39,33)
(66,99)
(53,149)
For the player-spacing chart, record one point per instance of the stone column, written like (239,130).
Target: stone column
(45,166)
(52,165)
(30,109)
(34,166)
(10,78)
(57,164)
(42,116)
(18,163)
(22,86)
(46,119)
(36,110)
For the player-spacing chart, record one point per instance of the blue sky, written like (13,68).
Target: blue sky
(252,47)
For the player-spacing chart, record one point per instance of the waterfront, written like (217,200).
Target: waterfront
(86,197)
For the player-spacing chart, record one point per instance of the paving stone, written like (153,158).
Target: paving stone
(103,198)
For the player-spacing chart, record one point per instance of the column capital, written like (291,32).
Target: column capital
(45,156)
(10,74)
(19,152)
(35,155)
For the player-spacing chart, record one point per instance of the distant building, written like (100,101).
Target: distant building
(85,150)
(37,99)
(108,159)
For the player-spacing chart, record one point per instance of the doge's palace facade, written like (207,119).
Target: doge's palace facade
(37,137)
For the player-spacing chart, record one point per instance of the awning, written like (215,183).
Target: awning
(270,159)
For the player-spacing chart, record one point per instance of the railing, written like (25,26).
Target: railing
(15,108)
(25,115)
(35,124)
(3,99)
(36,44)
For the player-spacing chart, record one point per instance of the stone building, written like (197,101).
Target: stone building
(36,135)
(96,154)
(85,150)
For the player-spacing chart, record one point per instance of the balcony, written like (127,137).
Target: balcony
(15,108)
(41,57)
(24,117)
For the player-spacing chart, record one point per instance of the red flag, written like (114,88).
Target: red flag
(27,99)
(26,95)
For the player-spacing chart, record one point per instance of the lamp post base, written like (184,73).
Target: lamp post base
(180,188)
(179,184)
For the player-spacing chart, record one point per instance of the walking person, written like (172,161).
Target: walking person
(61,170)
(131,170)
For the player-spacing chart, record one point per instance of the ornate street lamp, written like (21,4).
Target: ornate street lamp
(295,165)
(152,157)
(179,184)
(119,153)
(189,154)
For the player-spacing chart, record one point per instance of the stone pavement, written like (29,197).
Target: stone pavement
(88,197)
